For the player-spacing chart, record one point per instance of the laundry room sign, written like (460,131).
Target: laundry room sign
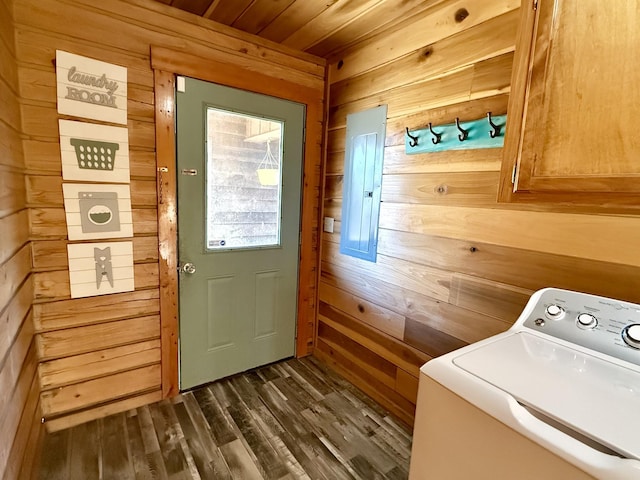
(100,268)
(90,88)
(96,211)
(94,153)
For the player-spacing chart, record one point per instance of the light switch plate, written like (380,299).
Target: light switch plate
(328,224)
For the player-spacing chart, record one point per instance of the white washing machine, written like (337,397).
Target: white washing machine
(557,396)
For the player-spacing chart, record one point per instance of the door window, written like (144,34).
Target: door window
(243,180)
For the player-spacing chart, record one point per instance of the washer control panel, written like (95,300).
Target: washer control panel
(602,324)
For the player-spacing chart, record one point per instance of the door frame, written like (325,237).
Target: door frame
(166,65)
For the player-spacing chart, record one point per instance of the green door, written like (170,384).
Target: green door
(239,185)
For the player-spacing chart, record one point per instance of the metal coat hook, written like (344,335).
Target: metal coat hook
(436,136)
(495,129)
(414,140)
(462,136)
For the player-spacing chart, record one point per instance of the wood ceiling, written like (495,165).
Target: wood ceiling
(320,27)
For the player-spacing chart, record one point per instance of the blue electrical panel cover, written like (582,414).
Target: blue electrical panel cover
(364,152)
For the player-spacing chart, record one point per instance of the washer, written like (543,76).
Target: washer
(557,396)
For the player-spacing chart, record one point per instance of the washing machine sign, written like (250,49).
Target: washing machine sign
(99,212)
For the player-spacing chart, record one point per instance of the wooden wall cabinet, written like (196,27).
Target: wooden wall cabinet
(573,131)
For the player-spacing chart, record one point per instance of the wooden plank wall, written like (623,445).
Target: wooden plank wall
(100,355)
(453,266)
(20,426)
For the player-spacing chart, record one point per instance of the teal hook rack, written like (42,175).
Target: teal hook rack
(481,133)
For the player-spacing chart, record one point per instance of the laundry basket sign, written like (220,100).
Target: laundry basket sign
(94,155)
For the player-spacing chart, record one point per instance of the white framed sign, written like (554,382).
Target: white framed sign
(90,88)
(96,211)
(100,268)
(94,153)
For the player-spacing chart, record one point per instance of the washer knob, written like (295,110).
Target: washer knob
(554,312)
(586,320)
(631,335)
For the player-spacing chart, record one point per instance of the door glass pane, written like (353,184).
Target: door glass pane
(243,180)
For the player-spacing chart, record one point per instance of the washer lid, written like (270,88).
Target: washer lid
(592,396)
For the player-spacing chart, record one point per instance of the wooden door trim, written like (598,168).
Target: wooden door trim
(166,64)
(167,228)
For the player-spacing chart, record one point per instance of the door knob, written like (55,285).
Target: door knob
(189,268)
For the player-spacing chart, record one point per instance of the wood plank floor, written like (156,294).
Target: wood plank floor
(291,420)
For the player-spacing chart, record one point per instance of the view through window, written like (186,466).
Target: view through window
(244,158)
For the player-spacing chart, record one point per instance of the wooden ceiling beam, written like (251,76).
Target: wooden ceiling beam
(384,15)
(299,14)
(260,14)
(197,7)
(228,12)
(331,28)
(212,6)
(331,20)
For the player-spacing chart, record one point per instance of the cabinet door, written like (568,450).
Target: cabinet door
(573,114)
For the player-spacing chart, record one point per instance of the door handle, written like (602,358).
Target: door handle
(189,268)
